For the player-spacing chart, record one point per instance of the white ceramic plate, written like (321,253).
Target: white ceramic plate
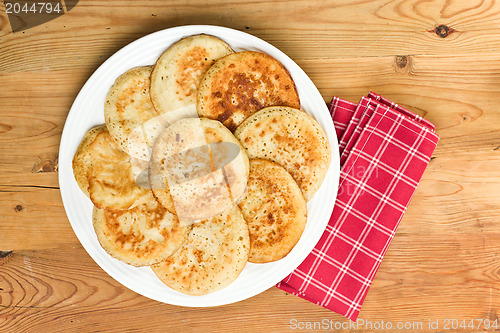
(88,111)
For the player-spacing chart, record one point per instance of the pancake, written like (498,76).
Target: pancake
(214,254)
(82,158)
(291,138)
(104,172)
(178,71)
(128,105)
(274,210)
(140,236)
(242,83)
(230,157)
(192,175)
(150,131)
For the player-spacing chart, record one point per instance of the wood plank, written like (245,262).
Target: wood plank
(29,145)
(445,203)
(416,281)
(33,218)
(458,191)
(32,116)
(64,290)
(302,29)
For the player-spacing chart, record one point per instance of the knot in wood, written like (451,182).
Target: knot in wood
(401,61)
(4,254)
(443,31)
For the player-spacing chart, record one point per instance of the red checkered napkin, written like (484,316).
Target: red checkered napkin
(384,151)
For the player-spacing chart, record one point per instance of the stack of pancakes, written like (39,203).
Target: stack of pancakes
(205,163)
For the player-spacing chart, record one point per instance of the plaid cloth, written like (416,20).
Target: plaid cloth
(384,151)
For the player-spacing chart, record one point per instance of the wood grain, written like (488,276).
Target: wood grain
(47,289)
(438,58)
(302,29)
(33,218)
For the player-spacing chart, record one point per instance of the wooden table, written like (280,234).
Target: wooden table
(440,59)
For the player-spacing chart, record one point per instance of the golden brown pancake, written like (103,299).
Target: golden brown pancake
(274,210)
(188,175)
(179,69)
(140,236)
(128,106)
(242,83)
(291,138)
(82,158)
(104,172)
(214,254)
(234,164)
